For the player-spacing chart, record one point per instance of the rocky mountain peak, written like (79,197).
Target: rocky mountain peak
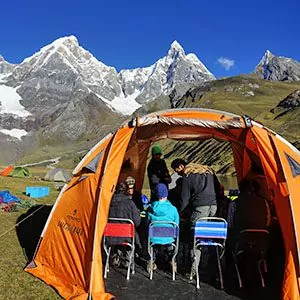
(278,68)
(175,49)
(266,58)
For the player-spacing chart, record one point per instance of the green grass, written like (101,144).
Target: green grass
(16,283)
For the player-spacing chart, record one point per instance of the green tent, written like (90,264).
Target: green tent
(20,172)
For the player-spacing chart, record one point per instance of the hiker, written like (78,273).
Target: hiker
(199,188)
(157,171)
(198,196)
(162,210)
(133,193)
(252,211)
(121,206)
(246,217)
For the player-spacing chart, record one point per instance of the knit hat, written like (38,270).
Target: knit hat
(130,181)
(156,150)
(161,191)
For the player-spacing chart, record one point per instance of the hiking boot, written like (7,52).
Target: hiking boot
(154,266)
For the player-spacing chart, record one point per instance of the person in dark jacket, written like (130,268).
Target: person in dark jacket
(133,193)
(157,171)
(199,190)
(122,206)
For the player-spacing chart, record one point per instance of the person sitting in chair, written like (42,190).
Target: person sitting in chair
(121,206)
(162,210)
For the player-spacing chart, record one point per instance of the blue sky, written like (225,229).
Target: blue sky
(130,34)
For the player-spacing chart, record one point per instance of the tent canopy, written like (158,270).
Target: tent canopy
(20,172)
(6,171)
(58,174)
(69,257)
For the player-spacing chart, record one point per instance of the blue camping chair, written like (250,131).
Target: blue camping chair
(210,232)
(163,229)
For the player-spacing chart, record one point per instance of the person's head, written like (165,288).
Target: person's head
(156,152)
(130,182)
(121,188)
(178,165)
(161,191)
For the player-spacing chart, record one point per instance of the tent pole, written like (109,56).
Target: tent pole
(96,224)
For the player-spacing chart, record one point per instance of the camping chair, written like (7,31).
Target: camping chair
(253,243)
(163,229)
(210,232)
(121,228)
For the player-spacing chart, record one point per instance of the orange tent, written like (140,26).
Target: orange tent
(6,171)
(68,256)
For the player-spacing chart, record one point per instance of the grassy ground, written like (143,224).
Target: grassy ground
(15,283)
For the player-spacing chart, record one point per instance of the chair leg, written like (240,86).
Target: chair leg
(106,269)
(130,262)
(133,262)
(151,263)
(237,271)
(174,268)
(197,260)
(220,269)
(260,273)
(265,266)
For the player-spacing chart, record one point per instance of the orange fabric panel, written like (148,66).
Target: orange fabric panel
(64,256)
(135,163)
(293,184)
(107,187)
(277,184)
(290,290)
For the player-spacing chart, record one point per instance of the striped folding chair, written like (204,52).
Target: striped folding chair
(119,228)
(163,229)
(210,232)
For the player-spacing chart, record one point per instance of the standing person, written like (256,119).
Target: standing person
(198,195)
(163,210)
(198,189)
(157,171)
(121,206)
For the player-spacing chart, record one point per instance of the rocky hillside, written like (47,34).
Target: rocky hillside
(278,68)
(275,104)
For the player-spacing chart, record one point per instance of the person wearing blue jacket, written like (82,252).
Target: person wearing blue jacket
(162,210)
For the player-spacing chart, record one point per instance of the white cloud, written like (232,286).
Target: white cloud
(226,63)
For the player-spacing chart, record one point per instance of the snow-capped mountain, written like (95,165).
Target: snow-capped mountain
(278,68)
(64,91)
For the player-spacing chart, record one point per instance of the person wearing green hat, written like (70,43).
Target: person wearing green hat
(157,171)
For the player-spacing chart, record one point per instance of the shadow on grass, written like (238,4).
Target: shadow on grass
(29,231)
